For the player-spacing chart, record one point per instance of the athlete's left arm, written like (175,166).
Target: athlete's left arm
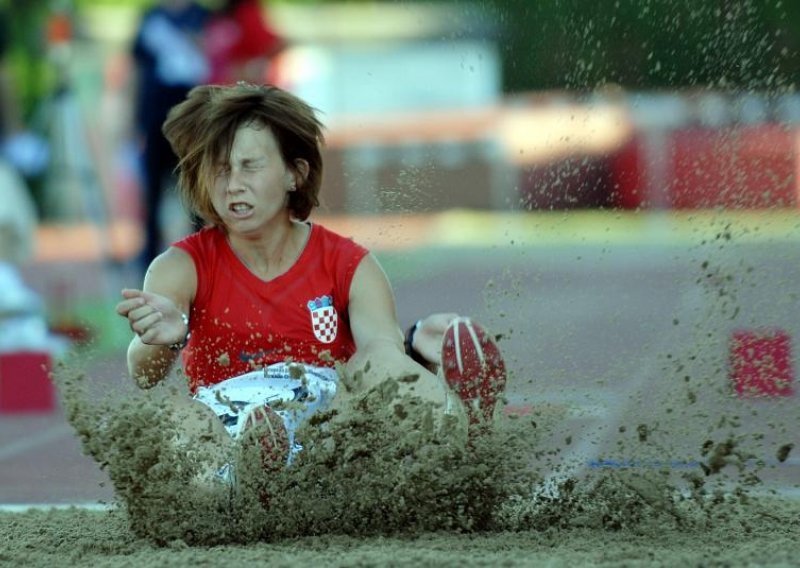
(377,334)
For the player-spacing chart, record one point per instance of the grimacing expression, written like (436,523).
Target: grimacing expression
(251,187)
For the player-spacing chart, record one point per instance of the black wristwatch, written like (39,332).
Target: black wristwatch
(408,344)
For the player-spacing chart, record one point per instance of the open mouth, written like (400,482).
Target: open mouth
(240,209)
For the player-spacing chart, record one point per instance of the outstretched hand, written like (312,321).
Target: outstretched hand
(154,318)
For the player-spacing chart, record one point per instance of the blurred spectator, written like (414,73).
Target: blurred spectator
(170,60)
(23,155)
(23,325)
(241,44)
(18,217)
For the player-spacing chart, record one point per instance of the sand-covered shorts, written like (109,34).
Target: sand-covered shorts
(309,389)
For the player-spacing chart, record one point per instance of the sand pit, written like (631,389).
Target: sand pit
(387,485)
(764,533)
(675,468)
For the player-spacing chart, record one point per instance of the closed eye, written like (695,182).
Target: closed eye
(252,165)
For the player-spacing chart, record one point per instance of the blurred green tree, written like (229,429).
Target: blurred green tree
(645,44)
(586,44)
(26,50)
(642,44)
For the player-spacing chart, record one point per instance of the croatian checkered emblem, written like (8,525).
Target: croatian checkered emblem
(324,320)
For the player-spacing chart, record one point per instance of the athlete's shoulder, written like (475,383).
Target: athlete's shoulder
(205,248)
(201,241)
(329,239)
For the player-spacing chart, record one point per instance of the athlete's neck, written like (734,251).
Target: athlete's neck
(271,254)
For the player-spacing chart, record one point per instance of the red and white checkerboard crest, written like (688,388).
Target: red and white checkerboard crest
(324,319)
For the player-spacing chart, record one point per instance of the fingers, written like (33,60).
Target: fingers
(125,306)
(143,320)
(155,319)
(131,293)
(150,336)
(132,299)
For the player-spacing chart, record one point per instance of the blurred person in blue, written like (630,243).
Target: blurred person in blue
(170,59)
(242,44)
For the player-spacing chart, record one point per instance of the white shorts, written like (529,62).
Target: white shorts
(310,389)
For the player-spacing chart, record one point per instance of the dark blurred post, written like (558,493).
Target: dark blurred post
(170,60)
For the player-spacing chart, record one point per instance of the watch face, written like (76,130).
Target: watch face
(181,344)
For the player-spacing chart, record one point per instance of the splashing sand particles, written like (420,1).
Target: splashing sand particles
(382,466)
(383,482)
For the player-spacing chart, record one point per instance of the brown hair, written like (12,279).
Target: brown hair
(202,128)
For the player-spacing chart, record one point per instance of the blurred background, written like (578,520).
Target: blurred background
(598,174)
(502,105)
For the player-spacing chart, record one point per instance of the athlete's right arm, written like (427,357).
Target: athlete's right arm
(155,315)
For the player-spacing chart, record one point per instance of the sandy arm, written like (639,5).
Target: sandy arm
(378,338)
(154,314)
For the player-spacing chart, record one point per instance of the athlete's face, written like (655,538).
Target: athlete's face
(251,188)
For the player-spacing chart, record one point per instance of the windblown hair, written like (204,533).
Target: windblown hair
(201,130)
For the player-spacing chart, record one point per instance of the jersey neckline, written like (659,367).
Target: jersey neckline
(242,268)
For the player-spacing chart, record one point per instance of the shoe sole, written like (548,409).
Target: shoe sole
(473,367)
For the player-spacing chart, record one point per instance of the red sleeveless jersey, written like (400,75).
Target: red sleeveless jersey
(240,323)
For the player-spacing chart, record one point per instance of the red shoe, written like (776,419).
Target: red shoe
(473,367)
(264,424)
